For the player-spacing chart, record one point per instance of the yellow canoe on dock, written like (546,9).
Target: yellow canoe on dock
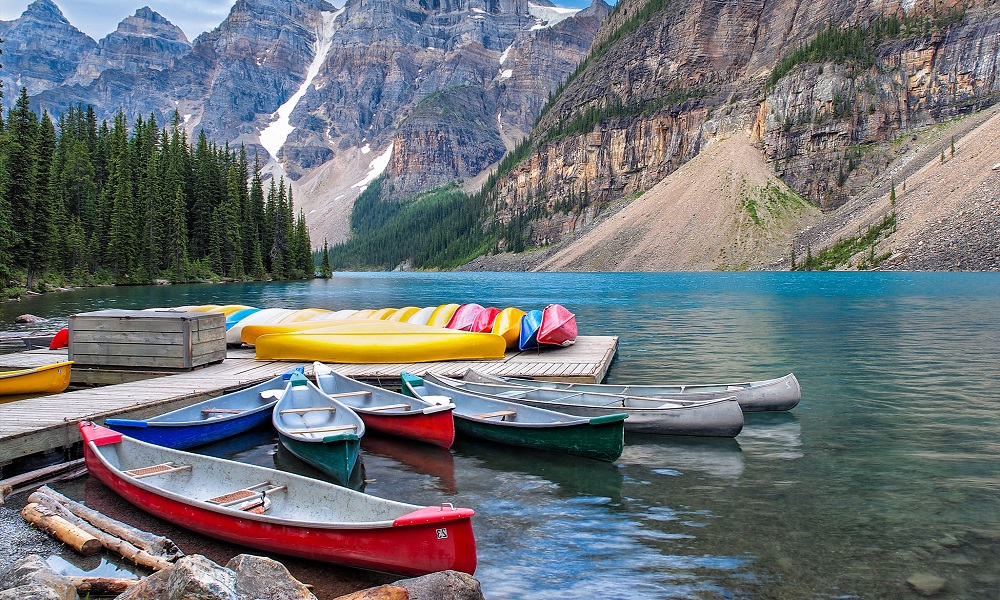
(379,342)
(50,379)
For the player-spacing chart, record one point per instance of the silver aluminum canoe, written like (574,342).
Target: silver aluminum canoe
(782,393)
(717,417)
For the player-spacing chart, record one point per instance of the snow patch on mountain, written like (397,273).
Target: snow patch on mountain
(273,137)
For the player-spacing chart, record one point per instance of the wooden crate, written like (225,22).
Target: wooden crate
(147,339)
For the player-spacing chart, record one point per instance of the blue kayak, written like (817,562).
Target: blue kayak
(528,338)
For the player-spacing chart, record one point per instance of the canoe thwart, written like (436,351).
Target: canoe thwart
(324,429)
(170,467)
(222,411)
(299,411)
(348,394)
(388,407)
(497,413)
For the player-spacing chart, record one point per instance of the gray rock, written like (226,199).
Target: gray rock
(29,319)
(443,585)
(32,571)
(195,577)
(33,591)
(926,584)
(153,587)
(258,577)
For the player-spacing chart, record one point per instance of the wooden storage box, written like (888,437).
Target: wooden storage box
(147,339)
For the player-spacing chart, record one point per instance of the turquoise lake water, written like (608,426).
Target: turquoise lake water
(888,469)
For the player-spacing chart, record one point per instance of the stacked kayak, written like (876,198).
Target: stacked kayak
(49,379)
(366,341)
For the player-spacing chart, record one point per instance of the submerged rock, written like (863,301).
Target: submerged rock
(29,319)
(926,584)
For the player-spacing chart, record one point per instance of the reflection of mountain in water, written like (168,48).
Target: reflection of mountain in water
(772,435)
(574,475)
(716,457)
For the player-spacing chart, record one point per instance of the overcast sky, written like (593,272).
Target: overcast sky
(98,18)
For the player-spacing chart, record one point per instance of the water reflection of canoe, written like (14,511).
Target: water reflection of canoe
(716,457)
(280,512)
(775,435)
(719,417)
(285,461)
(574,476)
(425,459)
(782,393)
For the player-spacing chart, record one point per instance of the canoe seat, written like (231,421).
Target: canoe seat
(616,402)
(299,411)
(169,467)
(222,411)
(388,407)
(513,394)
(252,499)
(503,414)
(324,429)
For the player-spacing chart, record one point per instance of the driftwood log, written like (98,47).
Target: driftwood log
(101,586)
(119,546)
(156,545)
(61,529)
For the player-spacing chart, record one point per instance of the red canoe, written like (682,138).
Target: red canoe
(389,412)
(558,326)
(465,316)
(281,512)
(484,320)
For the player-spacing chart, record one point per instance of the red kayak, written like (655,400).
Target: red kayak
(484,320)
(281,512)
(558,326)
(465,316)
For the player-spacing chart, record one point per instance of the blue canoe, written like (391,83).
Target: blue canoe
(207,421)
(528,338)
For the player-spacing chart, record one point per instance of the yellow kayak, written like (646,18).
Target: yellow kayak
(508,325)
(442,314)
(382,314)
(403,314)
(50,379)
(304,314)
(365,313)
(250,333)
(380,342)
(421,316)
(229,309)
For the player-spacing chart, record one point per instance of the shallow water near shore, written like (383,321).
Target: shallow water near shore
(889,467)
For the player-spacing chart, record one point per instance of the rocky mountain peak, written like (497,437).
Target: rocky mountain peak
(146,22)
(41,48)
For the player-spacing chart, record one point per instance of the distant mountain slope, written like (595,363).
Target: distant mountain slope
(724,209)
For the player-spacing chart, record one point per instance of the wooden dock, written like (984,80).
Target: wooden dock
(43,424)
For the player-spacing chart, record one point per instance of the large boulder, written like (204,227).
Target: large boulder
(443,585)
(31,576)
(382,592)
(153,587)
(195,577)
(258,577)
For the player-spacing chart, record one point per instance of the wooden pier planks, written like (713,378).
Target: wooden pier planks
(44,423)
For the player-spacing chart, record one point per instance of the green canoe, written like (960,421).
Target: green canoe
(602,438)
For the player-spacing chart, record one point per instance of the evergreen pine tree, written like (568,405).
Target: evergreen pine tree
(324,265)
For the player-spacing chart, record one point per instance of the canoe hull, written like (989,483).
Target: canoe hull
(601,442)
(50,379)
(195,434)
(424,541)
(380,347)
(335,458)
(782,393)
(389,412)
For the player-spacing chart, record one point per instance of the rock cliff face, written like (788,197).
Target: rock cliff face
(667,78)
(144,41)
(313,88)
(40,49)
